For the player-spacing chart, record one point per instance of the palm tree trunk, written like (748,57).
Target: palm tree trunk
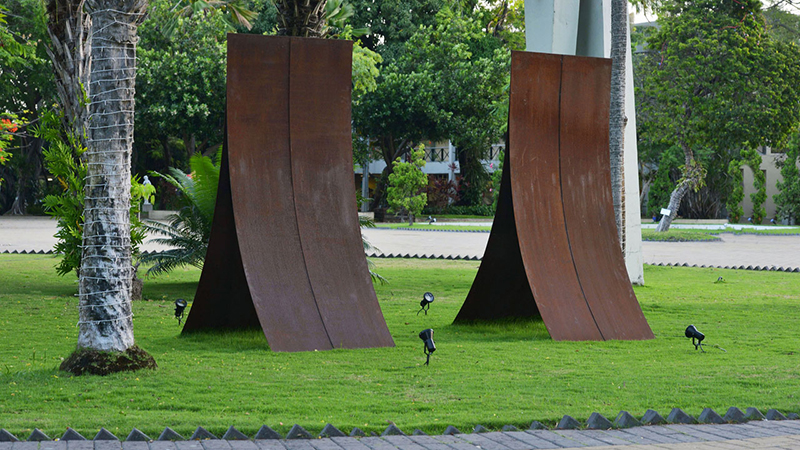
(617,119)
(106,269)
(70,52)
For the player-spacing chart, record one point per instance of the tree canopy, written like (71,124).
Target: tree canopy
(716,83)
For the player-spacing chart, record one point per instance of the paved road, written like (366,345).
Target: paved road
(755,250)
(36,233)
(765,435)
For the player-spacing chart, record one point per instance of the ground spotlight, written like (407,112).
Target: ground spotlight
(430,347)
(691,332)
(180,305)
(425,304)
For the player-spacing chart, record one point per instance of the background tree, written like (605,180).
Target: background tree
(445,85)
(788,199)
(407,185)
(26,91)
(180,95)
(721,84)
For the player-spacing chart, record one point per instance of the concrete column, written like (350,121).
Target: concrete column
(634,258)
(551,26)
(451,161)
(365,186)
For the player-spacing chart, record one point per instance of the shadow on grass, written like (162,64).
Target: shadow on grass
(503,330)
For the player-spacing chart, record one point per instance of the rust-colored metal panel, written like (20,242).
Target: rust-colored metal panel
(554,236)
(222,299)
(263,194)
(286,239)
(586,190)
(500,288)
(325,202)
(534,117)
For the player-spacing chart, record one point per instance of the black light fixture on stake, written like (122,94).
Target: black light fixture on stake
(425,304)
(430,346)
(180,305)
(692,332)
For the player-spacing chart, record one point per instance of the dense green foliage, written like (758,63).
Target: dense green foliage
(488,374)
(407,185)
(443,85)
(714,83)
(64,162)
(753,160)
(736,195)
(188,231)
(180,87)
(788,199)
(26,92)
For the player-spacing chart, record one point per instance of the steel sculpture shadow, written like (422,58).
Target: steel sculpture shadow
(553,250)
(285,252)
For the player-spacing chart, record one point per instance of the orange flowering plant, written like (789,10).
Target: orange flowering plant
(7,129)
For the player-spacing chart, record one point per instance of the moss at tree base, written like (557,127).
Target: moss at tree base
(96,362)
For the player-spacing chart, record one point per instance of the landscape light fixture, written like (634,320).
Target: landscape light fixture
(427,299)
(180,305)
(430,347)
(691,332)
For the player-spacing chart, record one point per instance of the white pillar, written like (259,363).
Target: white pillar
(551,26)
(634,258)
(365,186)
(451,161)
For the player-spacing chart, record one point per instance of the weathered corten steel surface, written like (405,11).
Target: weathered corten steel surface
(322,170)
(534,120)
(291,193)
(588,208)
(556,221)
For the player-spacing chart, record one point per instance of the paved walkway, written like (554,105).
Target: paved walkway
(765,435)
(36,233)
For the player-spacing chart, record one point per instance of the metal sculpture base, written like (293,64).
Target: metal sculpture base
(285,252)
(553,250)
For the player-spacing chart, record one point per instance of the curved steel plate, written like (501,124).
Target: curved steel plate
(554,219)
(290,237)
(263,193)
(586,188)
(325,201)
(534,118)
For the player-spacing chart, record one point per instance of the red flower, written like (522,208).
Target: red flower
(8,125)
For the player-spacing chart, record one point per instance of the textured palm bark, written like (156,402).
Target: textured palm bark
(105,280)
(70,52)
(304,18)
(617,120)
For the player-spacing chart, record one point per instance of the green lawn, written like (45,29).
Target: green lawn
(678,235)
(438,227)
(489,374)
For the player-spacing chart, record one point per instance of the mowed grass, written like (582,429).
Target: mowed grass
(492,374)
(678,235)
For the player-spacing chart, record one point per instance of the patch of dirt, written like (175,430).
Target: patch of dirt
(95,362)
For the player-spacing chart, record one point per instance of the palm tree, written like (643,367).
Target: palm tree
(106,322)
(304,18)
(617,119)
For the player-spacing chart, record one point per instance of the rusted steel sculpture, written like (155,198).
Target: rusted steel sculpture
(285,252)
(553,250)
